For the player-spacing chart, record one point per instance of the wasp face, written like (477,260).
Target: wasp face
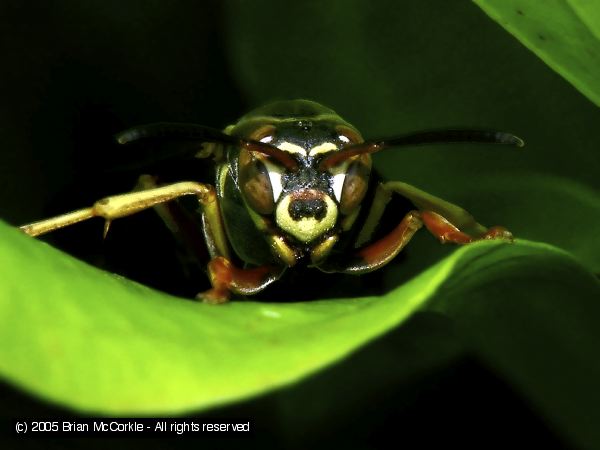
(305,201)
(307,207)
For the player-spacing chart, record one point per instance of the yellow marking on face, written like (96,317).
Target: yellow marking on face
(322,250)
(291,148)
(282,250)
(306,229)
(322,148)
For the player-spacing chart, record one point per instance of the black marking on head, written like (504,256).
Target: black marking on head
(314,207)
(306,133)
(307,177)
(305,125)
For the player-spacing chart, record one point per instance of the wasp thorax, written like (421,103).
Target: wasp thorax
(306,214)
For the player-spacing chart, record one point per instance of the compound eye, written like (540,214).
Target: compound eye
(255,183)
(349,135)
(264,133)
(355,185)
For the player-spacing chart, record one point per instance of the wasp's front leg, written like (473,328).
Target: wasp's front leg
(226,278)
(223,275)
(377,254)
(118,206)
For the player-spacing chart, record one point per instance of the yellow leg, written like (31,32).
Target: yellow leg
(423,201)
(427,202)
(117,206)
(47,225)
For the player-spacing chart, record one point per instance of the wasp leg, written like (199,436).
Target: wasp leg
(445,231)
(446,221)
(54,223)
(381,252)
(226,278)
(118,206)
(223,275)
(452,214)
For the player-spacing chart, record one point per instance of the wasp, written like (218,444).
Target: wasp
(293,186)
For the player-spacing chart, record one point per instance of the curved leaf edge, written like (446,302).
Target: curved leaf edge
(328,330)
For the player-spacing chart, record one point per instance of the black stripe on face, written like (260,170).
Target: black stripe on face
(311,207)
(307,178)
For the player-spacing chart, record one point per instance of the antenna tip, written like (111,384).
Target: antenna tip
(517,141)
(510,139)
(124,137)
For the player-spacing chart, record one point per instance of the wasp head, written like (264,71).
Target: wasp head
(305,196)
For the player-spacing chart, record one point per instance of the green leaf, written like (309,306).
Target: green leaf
(565,34)
(97,342)
(542,208)
(387,69)
(588,12)
(533,318)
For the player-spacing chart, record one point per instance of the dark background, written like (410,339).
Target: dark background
(74,73)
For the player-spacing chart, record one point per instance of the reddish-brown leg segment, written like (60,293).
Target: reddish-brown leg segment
(445,231)
(381,252)
(226,278)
